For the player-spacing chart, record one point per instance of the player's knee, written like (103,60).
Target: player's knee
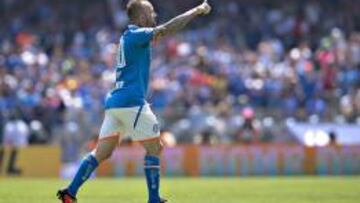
(102,155)
(108,154)
(105,148)
(153,148)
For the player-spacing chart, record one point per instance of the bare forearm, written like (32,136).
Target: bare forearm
(176,24)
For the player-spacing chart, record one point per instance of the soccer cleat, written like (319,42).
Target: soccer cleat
(163,200)
(65,196)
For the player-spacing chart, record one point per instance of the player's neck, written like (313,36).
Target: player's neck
(136,23)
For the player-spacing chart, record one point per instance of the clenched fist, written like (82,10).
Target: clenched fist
(204,8)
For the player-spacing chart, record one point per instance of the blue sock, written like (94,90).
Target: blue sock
(87,166)
(152,173)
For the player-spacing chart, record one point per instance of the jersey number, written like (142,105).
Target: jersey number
(121,62)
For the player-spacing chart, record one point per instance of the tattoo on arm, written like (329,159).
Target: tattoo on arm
(175,24)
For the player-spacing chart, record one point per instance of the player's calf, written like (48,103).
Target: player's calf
(152,169)
(103,151)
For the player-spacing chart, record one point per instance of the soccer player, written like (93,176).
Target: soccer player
(126,109)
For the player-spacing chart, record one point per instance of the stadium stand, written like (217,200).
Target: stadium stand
(223,81)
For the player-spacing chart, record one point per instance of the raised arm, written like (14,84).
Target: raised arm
(179,22)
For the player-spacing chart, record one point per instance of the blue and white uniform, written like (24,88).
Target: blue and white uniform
(127,111)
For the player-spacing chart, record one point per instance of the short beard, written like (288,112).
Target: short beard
(152,24)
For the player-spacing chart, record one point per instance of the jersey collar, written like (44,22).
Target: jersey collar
(132,26)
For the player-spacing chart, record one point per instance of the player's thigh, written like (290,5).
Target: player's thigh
(109,136)
(111,126)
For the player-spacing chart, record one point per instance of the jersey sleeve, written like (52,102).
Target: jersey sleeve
(143,35)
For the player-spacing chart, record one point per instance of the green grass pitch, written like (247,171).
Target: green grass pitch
(192,190)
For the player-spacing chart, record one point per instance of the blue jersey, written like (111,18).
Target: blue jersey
(132,69)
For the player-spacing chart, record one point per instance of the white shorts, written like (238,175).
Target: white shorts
(138,123)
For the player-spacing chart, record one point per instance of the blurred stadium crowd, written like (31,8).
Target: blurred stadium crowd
(236,76)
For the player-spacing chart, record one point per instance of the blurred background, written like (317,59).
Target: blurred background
(269,87)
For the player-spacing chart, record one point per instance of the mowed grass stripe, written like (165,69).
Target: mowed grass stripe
(192,190)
